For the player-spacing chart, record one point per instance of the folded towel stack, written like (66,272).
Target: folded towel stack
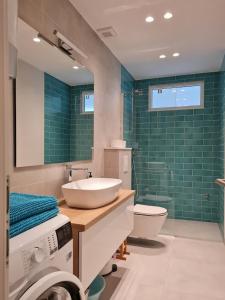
(27,211)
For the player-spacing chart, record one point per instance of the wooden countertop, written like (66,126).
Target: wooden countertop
(82,219)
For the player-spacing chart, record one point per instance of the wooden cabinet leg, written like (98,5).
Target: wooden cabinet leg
(125,248)
(122,251)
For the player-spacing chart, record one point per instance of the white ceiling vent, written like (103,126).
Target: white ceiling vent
(106,32)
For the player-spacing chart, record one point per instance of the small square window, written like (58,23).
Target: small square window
(87,102)
(176,96)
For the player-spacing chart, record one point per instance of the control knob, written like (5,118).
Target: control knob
(38,255)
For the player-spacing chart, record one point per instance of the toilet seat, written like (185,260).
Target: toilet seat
(147,210)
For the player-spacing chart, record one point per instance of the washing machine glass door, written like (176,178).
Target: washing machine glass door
(55,286)
(58,293)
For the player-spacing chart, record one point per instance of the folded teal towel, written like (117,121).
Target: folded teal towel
(23,206)
(31,222)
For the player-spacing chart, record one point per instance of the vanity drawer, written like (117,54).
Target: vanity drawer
(100,242)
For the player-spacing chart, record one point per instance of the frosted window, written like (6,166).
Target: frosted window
(88,102)
(172,97)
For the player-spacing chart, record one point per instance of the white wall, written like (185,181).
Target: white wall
(4,100)
(46,16)
(29,115)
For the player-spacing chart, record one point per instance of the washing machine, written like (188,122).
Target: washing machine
(41,263)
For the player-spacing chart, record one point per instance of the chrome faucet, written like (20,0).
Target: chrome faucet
(70,170)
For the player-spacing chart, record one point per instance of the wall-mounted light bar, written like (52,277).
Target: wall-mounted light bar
(67,45)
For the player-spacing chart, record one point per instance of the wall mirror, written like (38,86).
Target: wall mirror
(54,105)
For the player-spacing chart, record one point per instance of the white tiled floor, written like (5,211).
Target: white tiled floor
(173,269)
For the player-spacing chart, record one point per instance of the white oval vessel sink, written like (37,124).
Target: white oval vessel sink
(91,193)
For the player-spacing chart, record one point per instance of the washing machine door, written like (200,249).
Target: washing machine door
(55,286)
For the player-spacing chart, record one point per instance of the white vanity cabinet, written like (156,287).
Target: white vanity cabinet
(100,242)
(98,233)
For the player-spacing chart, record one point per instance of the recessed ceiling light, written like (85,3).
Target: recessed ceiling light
(162,56)
(149,19)
(176,54)
(75,67)
(36,39)
(168,15)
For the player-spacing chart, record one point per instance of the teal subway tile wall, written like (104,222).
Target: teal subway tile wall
(176,163)
(68,132)
(221,146)
(57,120)
(127,88)
(81,138)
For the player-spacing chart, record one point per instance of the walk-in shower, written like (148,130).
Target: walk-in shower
(176,157)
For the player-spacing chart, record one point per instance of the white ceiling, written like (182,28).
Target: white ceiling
(197,31)
(49,59)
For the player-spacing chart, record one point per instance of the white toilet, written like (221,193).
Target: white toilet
(148,220)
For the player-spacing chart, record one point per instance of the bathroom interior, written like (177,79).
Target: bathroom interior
(112,125)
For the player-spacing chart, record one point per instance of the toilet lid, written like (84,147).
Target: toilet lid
(149,210)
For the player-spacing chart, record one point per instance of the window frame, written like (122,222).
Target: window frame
(89,92)
(176,85)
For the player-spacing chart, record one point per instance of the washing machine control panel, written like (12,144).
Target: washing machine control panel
(39,251)
(35,255)
(42,249)
(39,248)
